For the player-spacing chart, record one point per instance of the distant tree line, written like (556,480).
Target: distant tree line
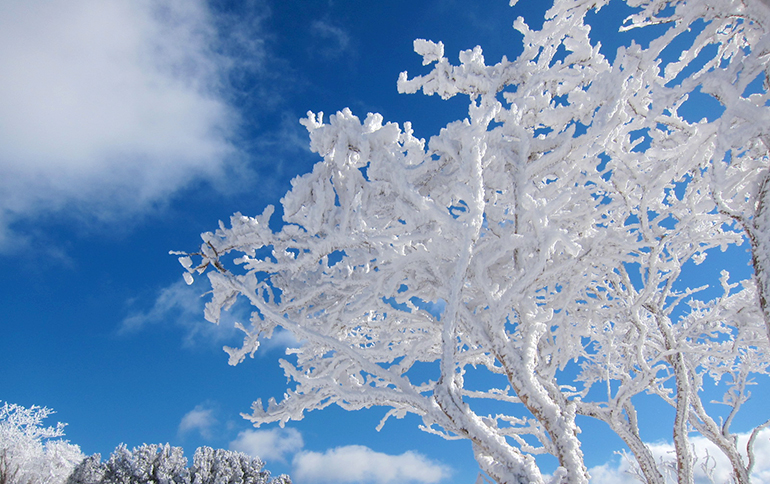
(163,464)
(33,454)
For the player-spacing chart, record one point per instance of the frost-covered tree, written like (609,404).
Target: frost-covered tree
(546,235)
(218,466)
(161,464)
(31,453)
(89,471)
(164,464)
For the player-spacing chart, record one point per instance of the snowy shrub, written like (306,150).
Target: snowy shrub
(31,453)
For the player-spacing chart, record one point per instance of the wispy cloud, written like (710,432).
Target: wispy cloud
(334,41)
(183,306)
(200,419)
(273,444)
(360,464)
(108,108)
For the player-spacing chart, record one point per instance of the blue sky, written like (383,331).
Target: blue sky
(127,129)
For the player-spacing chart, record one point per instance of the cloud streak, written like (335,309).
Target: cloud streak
(107,108)
(183,306)
(333,40)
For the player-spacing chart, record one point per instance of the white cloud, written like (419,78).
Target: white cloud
(356,463)
(352,463)
(268,445)
(613,473)
(200,418)
(108,107)
(716,463)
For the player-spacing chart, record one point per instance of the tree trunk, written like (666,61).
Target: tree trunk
(558,417)
(759,237)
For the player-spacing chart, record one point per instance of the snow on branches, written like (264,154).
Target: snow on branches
(548,231)
(30,452)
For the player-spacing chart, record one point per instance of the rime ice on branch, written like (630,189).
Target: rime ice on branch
(30,452)
(548,229)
